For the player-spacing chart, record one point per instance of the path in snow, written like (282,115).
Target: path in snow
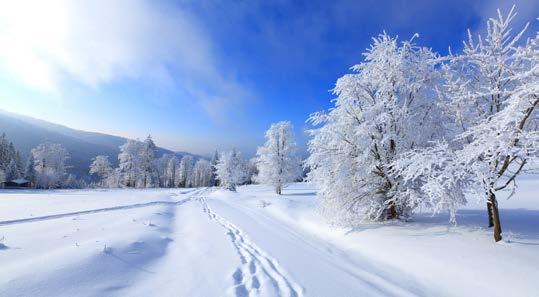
(91,211)
(259,273)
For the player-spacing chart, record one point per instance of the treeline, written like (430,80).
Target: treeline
(140,168)
(11,165)
(45,168)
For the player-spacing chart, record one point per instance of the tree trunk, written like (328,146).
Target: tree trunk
(493,203)
(392,212)
(490,220)
(278,190)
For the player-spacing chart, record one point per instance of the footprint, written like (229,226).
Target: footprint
(254,263)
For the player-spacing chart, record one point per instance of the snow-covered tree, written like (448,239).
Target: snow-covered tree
(277,161)
(5,157)
(129,163)
(102,167)
(161,168)
(149,175)
(214,161)
(50,165)
(185,172)
(231,170)
(202,173)
(252,171)
(137,166)
(170,173)
(490,95)
(72,182)
(12,170)
(2,177)
(382,110)
(8,153)
(29,170)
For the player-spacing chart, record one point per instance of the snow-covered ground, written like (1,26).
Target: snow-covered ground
(207,242)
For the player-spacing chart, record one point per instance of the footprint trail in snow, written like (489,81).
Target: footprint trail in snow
(258,274)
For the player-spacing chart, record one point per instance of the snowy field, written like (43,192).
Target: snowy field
(207,242)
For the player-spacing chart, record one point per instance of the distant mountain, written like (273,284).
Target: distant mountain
(26,133)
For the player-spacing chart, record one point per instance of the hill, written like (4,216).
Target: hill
(27,132)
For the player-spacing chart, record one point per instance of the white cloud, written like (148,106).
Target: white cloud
(48,45)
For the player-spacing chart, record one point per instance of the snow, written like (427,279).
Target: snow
(213,242)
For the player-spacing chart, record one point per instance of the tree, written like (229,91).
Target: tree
(214,161)
(2,176)
(103,169)
(72,182)
(19,163)
(12,171)
(231,170)
(5,157)
(29,170)
(161,165)
(489,96)
(50,165)
(186,171)
(171,170)
(382,110)
(491,93)
(129,163)
(149,175)
(252,171)
(277,161)
(202,173)
(8,153)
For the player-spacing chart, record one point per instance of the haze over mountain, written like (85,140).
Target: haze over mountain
(27,132)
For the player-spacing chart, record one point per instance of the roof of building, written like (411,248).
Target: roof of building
(20,181)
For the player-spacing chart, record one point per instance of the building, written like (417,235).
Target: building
(20,183)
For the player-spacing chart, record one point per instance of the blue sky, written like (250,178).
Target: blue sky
(200,75)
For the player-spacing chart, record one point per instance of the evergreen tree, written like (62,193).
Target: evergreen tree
(148,168)
(29,170)
(214,161)
(12,172)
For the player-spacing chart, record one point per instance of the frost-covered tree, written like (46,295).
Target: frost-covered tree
(5,156)
(382,110)
(29,170)
(129,163)
(170,173)
(2,177)
(202,173)
(214,161)
(50,165)
(490,95)
(252,171)
(102,167)
(12,170)
(185,171)
(137,166)
(161,168)
(8,153)
(72,182)
(231,170)
(149,175)
(277,161)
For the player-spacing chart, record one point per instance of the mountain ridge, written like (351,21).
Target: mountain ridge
(27,132)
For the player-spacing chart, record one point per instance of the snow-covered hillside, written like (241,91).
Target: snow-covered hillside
(209,242)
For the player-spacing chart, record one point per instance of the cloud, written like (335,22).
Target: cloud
(50,45)
(527,10)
